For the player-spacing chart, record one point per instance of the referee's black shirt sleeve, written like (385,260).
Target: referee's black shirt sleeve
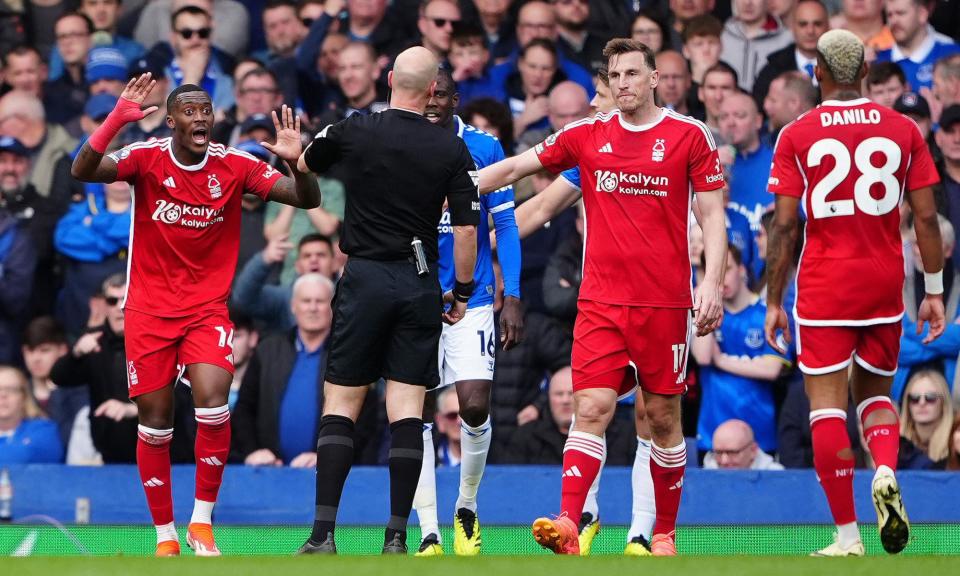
(325,150)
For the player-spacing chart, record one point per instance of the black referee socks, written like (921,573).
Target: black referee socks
(406,458)
(334,458)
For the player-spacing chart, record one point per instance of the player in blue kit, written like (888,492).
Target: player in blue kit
(468,348)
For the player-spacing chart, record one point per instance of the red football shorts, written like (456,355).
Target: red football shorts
(158,348)
(825,349)
(609,338)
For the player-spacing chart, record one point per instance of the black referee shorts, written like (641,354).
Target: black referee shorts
(386,322)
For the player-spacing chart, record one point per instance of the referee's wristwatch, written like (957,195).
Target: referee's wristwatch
(463,291)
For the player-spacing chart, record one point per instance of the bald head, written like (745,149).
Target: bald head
(24,104)
(568,102)
(414,72)
(675,79)
(733,445)
(840,58)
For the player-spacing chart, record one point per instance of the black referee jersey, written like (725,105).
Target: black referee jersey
(397,169)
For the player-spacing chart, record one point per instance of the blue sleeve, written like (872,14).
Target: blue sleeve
(46,447)
(572,176)
(112,231)
(508,250)
(16,275)
(75,239)
(250,292)
(310,47)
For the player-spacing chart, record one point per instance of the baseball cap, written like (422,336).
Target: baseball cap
(253,147)
(912,103)
(146,64)
(13,146)
(104,63)
(950,116)
(258,121)
(99,105)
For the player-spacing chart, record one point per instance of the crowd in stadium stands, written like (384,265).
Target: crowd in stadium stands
(523,69)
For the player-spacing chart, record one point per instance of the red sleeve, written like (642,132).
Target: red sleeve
(706,174)
(128,161)
(259,177)
(560,151)
(921,171)
(785,176)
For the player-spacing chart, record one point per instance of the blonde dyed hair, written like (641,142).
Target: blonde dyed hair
(842,52)
(939,445)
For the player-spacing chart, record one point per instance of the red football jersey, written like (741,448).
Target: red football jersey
(185,224)
(636,183)
(850,164)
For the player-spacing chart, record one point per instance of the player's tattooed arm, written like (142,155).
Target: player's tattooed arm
(302,190)
(780,249)
(93,166)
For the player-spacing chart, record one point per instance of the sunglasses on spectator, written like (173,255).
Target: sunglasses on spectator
(188,33)
(442,22)
(111,301)
(928,397)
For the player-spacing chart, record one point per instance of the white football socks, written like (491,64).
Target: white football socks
(474,447)
(425,499)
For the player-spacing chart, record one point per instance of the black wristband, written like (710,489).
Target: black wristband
(462,292)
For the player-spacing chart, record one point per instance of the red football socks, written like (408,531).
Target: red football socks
(212,448)
(583,454)
(153,463)
(666,468)
(833,461)
(883,440)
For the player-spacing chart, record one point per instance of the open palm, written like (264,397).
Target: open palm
(288,145)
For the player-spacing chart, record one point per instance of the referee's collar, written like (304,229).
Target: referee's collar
(407,110)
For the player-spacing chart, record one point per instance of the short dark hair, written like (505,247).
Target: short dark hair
(602,75)
(272,4)
(703,25)
(259,72)
(193,10)
(497,114)
(467,33)
(619,46)
(74,14)
(240,320)
(182,89)
(43,330)
(444,72)
(21,50)
(725,68)
(314,237)
(882,72)
(544,43)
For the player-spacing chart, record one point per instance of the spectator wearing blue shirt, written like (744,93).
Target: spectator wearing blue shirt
(275,421)
(740,123)
(917,45)
(25,437)
(104,15)
(738,367)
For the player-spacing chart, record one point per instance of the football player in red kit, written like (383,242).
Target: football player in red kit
(184,240)
(846,164)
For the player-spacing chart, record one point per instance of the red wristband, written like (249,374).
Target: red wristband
(125,111)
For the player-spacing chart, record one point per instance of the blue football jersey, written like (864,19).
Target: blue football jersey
(727,395)
(572,176)
(486,150)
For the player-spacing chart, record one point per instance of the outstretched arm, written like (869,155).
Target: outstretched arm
(302,190)
(90,165)
(543,207)
(508,171)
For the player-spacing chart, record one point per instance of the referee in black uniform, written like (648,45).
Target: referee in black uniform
(399,169)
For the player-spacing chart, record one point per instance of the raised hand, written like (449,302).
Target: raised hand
(136,91)
(288,145)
